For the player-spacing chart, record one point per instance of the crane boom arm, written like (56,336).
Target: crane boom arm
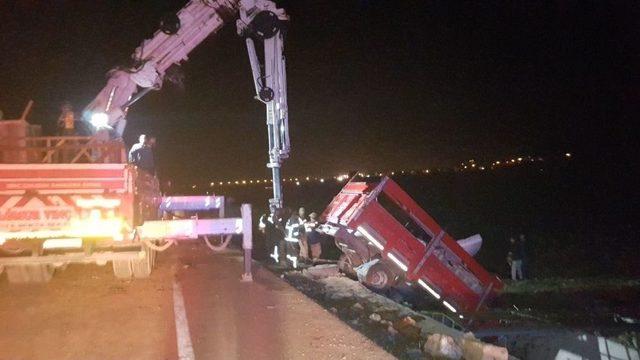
(171,44)
(259,21)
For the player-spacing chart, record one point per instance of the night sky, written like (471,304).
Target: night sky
(372,84)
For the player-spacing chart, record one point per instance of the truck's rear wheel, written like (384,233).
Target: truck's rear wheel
(379,277)
(32,273)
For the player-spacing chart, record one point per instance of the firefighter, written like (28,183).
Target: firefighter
(296,236)
(271,226)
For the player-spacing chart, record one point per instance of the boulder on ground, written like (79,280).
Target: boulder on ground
(407,327)
(391,330)
(322,271)
(442,347)
(475,350)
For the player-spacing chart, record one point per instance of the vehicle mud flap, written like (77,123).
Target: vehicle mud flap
(122,269)
(375,275)
(142,267)
(138,268)
(32,273)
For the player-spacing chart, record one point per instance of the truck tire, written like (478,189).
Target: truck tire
(379,277)
(36,273)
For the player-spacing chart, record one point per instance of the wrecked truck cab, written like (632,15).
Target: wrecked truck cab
(387,239)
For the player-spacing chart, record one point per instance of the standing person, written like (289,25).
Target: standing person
(516,254)
(295,236)
(302,240)
(314,238)
(522,242)
(271,226)
(141,155)
(66,127)
(146,183)
(67,120)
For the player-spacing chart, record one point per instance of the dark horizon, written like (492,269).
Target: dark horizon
(372,84)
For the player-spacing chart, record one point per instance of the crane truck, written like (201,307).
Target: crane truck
(75,199)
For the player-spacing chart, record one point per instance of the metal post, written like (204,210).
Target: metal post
(247,240)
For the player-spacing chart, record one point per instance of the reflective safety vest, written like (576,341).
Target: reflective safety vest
(262,223)
(294,228)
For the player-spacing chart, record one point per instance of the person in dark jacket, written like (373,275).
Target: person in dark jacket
(141,155)
(516,254)
(273,227)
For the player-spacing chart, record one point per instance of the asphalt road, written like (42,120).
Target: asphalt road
(192,307)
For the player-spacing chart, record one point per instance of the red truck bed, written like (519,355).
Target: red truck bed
(379,222)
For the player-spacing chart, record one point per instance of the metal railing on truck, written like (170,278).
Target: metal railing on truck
(61,150)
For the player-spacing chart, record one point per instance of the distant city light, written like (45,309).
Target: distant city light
(468,165)
(567,155)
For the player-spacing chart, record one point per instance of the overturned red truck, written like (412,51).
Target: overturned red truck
(387,238)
